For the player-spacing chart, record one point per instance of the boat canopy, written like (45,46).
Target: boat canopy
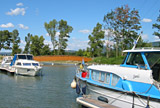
(21,56)
(148,59)
(144,49)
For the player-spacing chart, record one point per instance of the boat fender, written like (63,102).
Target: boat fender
(103,99)
(84,90)
(77,89)
(84,74)
(73,84)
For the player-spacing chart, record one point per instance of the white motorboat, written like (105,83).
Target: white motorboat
(23,64)
(6,61)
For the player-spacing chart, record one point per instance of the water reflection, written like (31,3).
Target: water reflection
(52,90)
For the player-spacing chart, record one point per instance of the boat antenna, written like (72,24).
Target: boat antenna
(136,41)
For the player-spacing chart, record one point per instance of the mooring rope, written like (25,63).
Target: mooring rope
(140,99)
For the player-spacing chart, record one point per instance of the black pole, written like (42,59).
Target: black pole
(133,101)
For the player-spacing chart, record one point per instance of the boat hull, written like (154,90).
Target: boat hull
(28,71)
(118,98)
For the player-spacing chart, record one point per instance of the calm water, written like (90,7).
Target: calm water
(52,90)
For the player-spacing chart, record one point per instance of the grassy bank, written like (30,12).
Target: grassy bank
(104,60)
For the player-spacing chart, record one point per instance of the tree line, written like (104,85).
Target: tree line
(120,28)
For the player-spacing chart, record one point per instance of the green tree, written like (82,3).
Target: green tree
(37,44)
(64,30)
(51,28)
(45,50)
(27,46)
(124,23)
(16,42)
(157,26)
(95,40)
(79,52)
(142,43)
(5,39)
(87,52)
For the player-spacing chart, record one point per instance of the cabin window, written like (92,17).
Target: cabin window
(107,78)
(115,79)
(135,59)
(95,75)
(35,64)
(26,64)
(102,78)
(18,64)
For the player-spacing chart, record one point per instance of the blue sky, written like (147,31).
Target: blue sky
(28,16)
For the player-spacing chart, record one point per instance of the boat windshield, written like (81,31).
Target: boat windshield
(134,59)
(21,56)
(28,57)
(153,59)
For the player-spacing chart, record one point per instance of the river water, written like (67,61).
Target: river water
(51,90)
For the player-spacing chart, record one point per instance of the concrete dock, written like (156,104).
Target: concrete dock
(93,103)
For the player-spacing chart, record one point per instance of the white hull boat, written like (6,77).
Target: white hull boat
(133,84)
(23,64)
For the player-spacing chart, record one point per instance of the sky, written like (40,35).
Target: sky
(29,16)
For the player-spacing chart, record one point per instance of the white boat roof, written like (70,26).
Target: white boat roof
(144,50)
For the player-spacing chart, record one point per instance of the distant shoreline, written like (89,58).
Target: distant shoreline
(62,58)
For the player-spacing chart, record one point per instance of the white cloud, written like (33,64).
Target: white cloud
(23,42)
(17,11)
(22,26)
(47,34)
(19,4)
(75,44)
(57,34)
(108,33)
(144,36)
(156,38)
(111,43)
(8,25)
(47,42)
(146,20)
(85,31)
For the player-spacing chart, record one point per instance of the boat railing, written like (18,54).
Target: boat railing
(80,68)
(147,48)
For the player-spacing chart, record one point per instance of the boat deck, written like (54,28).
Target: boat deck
(93,103)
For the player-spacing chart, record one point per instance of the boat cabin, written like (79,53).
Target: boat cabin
(21,57)
(147,59)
